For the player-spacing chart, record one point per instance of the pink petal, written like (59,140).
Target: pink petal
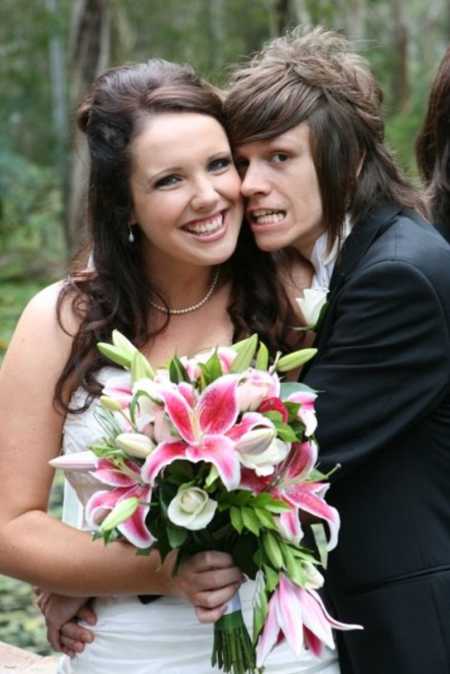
(289,614)
(217,408)
(189,393)
(335,624)
(108,473)
(99,505)
(269,635)
(134,529)
(303,496)
(302,459)
(119,388)
(304,398)
(312,642)
(290,526)
(252,482)
(248,422)
(180,413)
(163,455)
(314,618)
(218,450)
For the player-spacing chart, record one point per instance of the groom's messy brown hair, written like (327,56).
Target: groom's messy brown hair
(314,76)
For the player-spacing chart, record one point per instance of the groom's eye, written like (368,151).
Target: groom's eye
(279,157)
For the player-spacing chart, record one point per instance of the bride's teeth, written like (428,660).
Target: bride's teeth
(267,217)
(207,226)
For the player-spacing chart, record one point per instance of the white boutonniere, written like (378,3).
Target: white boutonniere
(313,305)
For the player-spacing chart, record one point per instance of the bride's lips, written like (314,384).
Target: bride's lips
(207,229)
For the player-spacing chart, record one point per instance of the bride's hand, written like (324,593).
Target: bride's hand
(61,615)
(208,580)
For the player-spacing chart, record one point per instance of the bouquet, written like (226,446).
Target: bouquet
(214,452)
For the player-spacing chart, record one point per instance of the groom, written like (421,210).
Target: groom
(304,117)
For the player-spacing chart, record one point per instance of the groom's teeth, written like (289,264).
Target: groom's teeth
(267,216)
(206,226)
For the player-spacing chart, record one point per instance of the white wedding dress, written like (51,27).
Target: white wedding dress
(163,637)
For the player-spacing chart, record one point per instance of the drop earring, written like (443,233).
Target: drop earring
(130,234)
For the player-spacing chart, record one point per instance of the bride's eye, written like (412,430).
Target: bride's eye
(219,164)
(167,181)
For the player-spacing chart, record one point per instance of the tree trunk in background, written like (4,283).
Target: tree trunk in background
(281,15)
(215,25)
(90,45)
(400,77)
(59,107)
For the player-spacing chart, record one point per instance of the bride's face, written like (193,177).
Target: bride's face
(185,189)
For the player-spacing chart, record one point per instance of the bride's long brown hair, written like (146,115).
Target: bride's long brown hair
(116,292)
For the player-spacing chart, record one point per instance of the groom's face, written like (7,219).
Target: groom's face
(281,191)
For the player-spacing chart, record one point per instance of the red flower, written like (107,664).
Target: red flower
(274,405)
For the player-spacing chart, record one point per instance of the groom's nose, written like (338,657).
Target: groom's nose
(254,181)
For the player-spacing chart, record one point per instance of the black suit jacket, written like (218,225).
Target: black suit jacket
(383,372)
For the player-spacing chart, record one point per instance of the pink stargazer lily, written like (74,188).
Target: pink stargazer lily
(306,412)
(124,486)
(299,616)
(202,424)
(306,496)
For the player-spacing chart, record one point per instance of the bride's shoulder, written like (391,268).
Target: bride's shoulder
(46,327)
(51,307)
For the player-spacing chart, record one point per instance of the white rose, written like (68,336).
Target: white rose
(191,508)
(311,304)
(263,463)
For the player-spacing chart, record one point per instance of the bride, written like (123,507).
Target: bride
(173,272)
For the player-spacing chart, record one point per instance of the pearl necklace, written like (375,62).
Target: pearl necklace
(193,307)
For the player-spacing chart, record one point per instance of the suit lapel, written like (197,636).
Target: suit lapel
(362,236)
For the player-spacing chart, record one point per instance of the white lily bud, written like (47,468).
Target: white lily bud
(82,462)
(110,404)
(255,441)
(135,444)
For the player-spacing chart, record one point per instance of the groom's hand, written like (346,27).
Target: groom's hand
(208,580)
(61,615)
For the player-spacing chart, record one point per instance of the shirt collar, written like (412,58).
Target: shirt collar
(324,261)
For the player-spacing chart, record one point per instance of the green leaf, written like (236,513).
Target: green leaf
(271,578)
(265,518)
(286,433)
(262,357)
(177,371)
(238,498)
(289,387)
(214,367)
(176,536)
(245,355)
(320,539)
(236,519)
(250,520)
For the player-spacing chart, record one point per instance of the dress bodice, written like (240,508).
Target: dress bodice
(79,431)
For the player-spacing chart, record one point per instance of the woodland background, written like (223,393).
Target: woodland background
(50,50)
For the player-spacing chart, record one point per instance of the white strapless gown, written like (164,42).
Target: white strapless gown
(163,637)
